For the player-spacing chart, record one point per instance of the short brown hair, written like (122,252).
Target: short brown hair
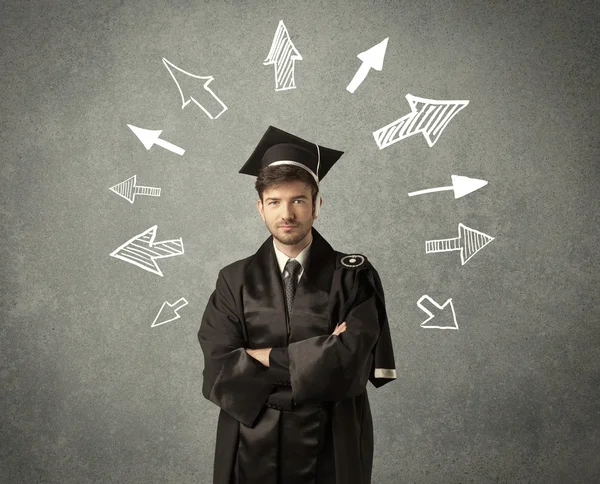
(274,176)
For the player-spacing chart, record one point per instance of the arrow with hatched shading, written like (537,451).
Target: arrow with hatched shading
(142,251)
(284,55)
(468,242)
(427,116)
(128,189)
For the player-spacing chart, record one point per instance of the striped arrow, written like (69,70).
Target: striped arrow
(128,189)
(284,55)
(427,116)
(142,251)
(468,242)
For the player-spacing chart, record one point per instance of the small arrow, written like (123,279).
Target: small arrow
(150,137)
(469,242)
(371,59)
(215,105)
(128,189)
(172,309)
(441,311)
(284,55)
(461,185)
(142,251)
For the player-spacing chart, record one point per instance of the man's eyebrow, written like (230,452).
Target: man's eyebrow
(293,198)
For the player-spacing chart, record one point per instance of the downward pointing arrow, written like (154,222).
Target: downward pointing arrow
(371,59)
(442,312)
(461,185)
(165,314)
(150,137)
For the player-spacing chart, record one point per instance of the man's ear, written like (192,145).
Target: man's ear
(259,205)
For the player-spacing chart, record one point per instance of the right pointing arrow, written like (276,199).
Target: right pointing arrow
(462,185)
(469,242)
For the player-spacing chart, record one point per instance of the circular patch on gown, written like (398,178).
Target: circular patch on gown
(353,260)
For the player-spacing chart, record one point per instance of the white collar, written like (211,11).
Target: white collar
(282,259)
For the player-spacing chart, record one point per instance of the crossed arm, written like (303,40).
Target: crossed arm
(321,368)
(262,354)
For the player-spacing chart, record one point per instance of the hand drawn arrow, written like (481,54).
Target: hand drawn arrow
(371,59)
(443,313)
(128,189)
(142,251)
(461,185)
(427,116)
(469,242)
(169,311)
(216,105)
(284,55)
(150,137)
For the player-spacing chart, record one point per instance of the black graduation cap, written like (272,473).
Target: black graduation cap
(277,147)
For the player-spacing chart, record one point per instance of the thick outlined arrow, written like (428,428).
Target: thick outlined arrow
(142,251)
(468,242)
(461,185)
(284,55)
(427,116)
(212,106)
(371,59)
(169,309)
(150,137)
(442,312)
(128,189)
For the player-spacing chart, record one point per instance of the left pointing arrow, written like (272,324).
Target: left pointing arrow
(142,251)
(128,189)
(150,137)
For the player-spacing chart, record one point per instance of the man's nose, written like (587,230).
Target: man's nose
(287,211)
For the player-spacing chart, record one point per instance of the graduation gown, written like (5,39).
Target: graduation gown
(305,419)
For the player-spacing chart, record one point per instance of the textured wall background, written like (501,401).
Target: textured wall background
(92,393)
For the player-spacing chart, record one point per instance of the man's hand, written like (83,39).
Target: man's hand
(340,328)
(260,354)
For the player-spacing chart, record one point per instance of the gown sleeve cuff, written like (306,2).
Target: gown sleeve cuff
(279,366)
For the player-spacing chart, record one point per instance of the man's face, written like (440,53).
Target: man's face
(287,211)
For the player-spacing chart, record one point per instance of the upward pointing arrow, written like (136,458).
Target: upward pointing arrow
(371,59)
(284,55)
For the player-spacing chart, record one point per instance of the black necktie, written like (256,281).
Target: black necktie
(293,268)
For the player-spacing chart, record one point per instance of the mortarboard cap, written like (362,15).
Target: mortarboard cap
(277,147)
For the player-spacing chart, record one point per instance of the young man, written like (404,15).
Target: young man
(291,335)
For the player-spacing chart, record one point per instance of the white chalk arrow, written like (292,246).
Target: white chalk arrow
(284,55)
(371,59)
(428,116)
(142,251)
(128,189)
(165,314)
(442,312)
(468,242)
(150,137)
(462,185)
(208,101)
